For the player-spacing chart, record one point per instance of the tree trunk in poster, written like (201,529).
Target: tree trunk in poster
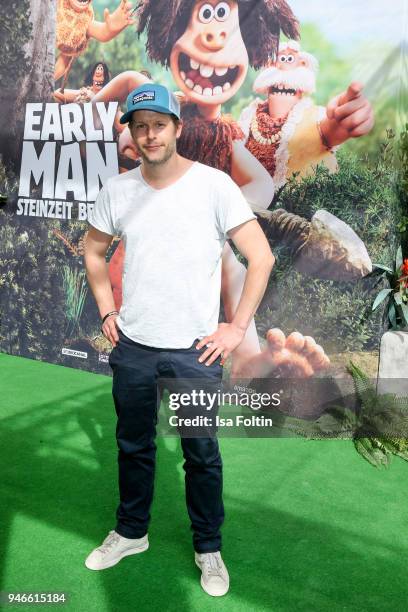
(37,82)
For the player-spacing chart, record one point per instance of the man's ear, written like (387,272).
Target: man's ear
(179,128)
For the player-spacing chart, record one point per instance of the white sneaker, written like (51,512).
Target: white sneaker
(214,574)
(113,549)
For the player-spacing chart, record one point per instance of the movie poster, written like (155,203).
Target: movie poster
(258,82)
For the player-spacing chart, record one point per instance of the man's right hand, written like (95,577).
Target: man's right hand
(110,329)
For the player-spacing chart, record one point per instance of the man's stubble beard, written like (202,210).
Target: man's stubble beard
(169,152)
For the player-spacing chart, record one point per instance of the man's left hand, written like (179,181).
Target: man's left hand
(222,342)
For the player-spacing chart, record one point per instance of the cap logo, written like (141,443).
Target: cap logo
(143,96)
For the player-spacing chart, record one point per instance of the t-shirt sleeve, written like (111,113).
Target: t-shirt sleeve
(101,216)
(232,209)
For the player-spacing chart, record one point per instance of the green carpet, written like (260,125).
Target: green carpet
(309,524)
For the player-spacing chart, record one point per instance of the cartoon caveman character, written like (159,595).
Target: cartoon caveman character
(76,24)
(97,76)
(209,46)
(290,134)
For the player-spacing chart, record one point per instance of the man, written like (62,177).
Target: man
(174,216)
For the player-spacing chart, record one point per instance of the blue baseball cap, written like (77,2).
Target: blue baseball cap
(151,96)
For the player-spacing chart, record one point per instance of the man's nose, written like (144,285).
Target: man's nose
(213,39)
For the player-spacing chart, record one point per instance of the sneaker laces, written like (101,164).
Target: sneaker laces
(213,565)
(109,541)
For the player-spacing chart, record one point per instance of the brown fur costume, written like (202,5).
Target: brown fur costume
(72,28)
(261,22)
(209,142)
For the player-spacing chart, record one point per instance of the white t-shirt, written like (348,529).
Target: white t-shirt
(173,239)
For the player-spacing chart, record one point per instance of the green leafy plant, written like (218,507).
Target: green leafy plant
(384,417)
(402,226)
(378,427)
(397,293)
(75,289)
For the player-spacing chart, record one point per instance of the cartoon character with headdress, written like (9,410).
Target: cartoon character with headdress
(76,24)
(288,133)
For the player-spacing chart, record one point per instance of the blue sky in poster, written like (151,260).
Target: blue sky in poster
(368,34)
(355,21)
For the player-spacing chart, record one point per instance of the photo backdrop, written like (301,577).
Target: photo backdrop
(254,78)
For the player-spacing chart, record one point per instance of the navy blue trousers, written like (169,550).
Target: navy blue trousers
(138,372)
